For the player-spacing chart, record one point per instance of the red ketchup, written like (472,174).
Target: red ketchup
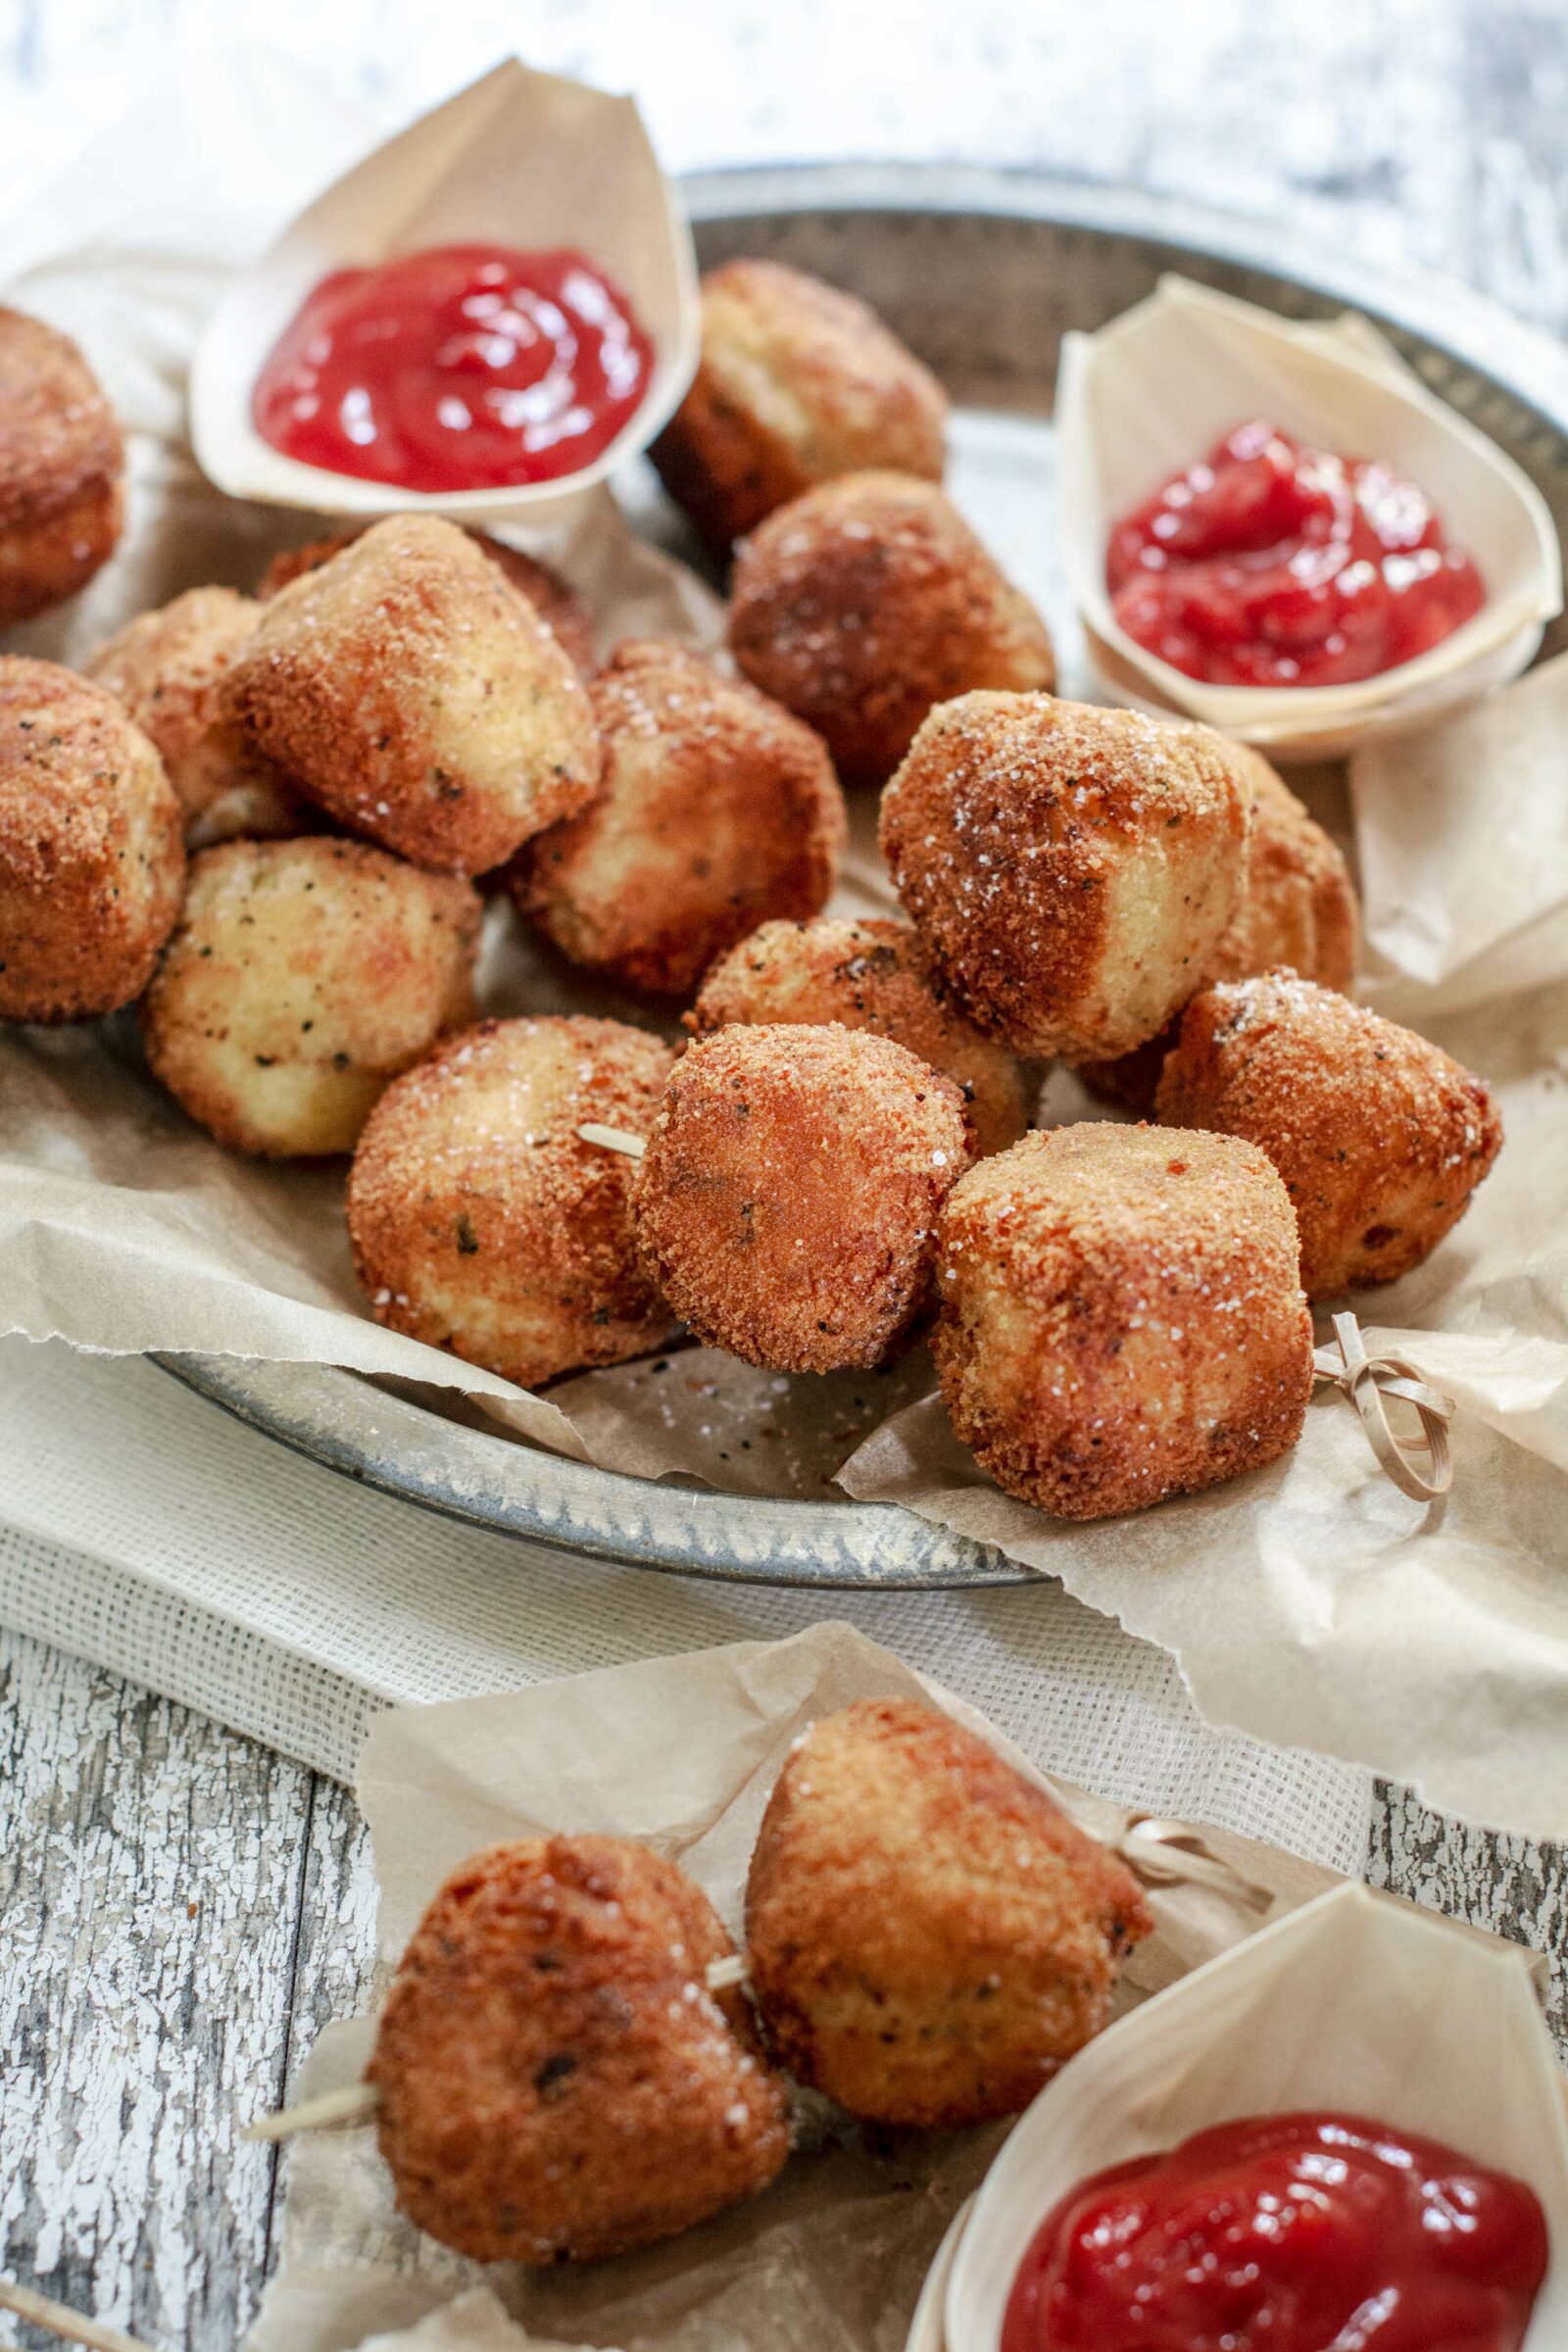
(1269,565)
(464,368)
(1285,2233)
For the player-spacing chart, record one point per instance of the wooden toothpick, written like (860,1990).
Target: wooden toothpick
(613,1139)
(75,2326)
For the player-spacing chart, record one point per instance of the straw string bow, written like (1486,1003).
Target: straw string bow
(1369,1381)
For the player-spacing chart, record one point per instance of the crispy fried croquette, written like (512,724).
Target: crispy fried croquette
(556,2078)
(716,810)
(797,382)
(1122,1316)
(62,470)
(302,976)
(91,859)
(930,1937)
(870,974)
(787,1201)
(554,599)
(1299,907)
(480,1220)
(1380,1138)
(168,668)
(416,697)
(867,601)
(1070,870)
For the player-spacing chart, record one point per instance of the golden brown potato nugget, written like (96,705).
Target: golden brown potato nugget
(717,809)
(554,599)
(62,470)
(796,382)
(1380,1138)
(930,1936)
(302,978)
(867,601)
(556,2080)
(482,1222)
(1121,1317)
(1070,870)
(91,862)
(868,974)
(417,699)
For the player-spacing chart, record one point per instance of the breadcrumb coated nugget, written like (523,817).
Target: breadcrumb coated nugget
(418,699)
(930,1937)
(870,974)
(168,668)
(91,859)
(1381,1139)
(302,978)
(796,382)
(62,470)
(553,598)
(789,1194)
(556,2080)
(717,809)
(480,1220)
(1122,1316)
(1071,870)
(867,601)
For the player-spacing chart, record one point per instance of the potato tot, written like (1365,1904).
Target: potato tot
(62,470)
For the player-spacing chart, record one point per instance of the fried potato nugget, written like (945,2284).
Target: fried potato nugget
(302,978)
(418,699)
(717,809)
(1381,1139)
(867,602)
(1122,1316)
(930,1937)
(554,599)
(168,668)
(796,382)
(480,1220)
(92,861)
(556,2080)
(787,1201)
(870,974)
(1071,870)
(62,470)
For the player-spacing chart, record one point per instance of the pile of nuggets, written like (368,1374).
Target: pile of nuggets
(265,820)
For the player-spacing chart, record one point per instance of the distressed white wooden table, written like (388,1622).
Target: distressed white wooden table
(182,1909)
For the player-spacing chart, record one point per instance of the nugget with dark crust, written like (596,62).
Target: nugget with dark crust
(302,978)
(797,382)
(930,1937)
(787,1203)
(91,862)
(418,699)
(1122,1316)
(62,470)
(716,810)
(554,599)
(867,602)
(480,1220)
(1381,1139)
(556,2080)
(1071,870)
(869,974)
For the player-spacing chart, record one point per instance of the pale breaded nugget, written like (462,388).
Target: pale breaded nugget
(557,2080)
(930,1937)
(62,470)
(1071,870)
(1381,1139)
(1121,1317)
(787,1201)
(418,699)
(92,861)
(867,602)
(480,1220)
(716,810)
(302,978)
(168,668)
(554,599)
(796,382)
(869,974)
(1298,907)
